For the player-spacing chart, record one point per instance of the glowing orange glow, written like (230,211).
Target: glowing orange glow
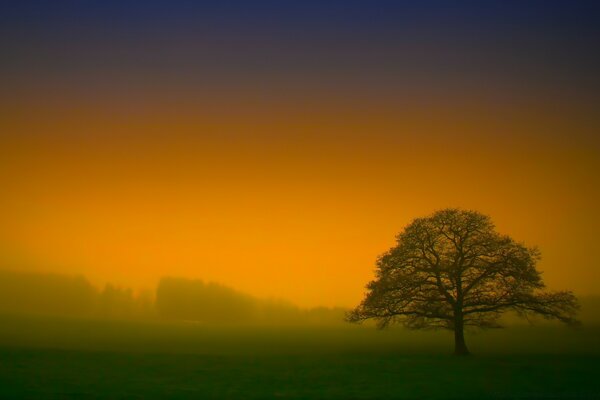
(285,204)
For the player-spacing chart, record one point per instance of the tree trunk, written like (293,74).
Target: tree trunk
(460,347)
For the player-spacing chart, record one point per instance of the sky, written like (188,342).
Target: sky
(278,147)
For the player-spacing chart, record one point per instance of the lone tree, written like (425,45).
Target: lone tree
(451,270)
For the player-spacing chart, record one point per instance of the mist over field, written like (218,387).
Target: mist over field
(178,299)
(174,299)
(183,315)
(62,336)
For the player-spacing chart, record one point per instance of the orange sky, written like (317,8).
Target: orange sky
(282,203)
(279,146)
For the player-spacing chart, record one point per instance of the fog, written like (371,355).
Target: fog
(192,316)
(180,299)
(175,299)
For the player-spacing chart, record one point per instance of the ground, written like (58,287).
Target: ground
(106,361)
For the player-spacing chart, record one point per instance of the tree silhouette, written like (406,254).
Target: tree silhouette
(452,270)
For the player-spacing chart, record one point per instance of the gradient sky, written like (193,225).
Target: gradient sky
(277,147)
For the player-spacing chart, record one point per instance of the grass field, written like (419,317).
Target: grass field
(65,358)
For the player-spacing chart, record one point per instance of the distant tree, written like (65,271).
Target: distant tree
(452,270)
(195,300)
(116,302)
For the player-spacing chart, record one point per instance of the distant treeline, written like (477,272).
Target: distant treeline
(174,299)
(194,300)
(55,294)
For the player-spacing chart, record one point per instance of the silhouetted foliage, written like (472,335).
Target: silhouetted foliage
(175,298)
(194,300)
(39,293)
(180,298)
(117,302)
(56,294)
(452,270)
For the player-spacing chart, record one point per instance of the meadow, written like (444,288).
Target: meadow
(52,357)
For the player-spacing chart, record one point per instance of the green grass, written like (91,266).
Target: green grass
(50,358)
(49,374)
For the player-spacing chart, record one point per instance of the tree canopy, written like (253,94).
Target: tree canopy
(452,270)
